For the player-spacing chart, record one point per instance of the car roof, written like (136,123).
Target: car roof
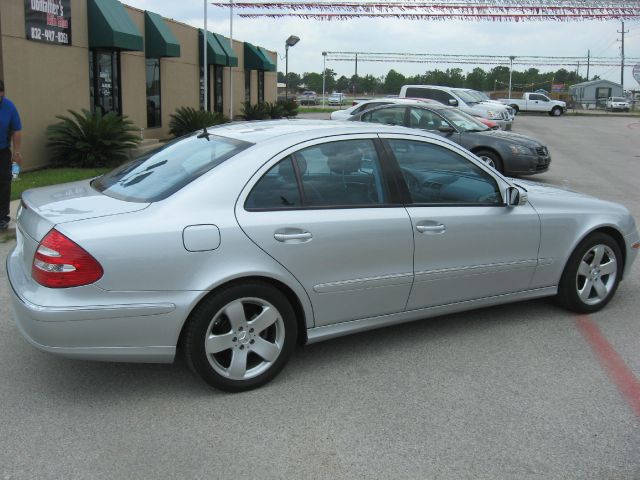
(263,131)
(415,103)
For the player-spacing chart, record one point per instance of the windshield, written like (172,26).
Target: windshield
(618,99)
(164,171)
(481,96)
(465,96)
(464,122)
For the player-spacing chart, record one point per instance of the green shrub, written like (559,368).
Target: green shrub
(254,112)
(274,110)
(91,140)
(187,119)
(289,108)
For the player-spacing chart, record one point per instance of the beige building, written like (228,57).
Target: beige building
(59,55)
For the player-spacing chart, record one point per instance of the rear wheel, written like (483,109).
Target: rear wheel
(241,337)
(516,110)
(592,274)
(492,159)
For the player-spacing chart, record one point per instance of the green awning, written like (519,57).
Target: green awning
(110,26)
(232,58)
(159,39)
(215,53)
(253,58)
(267,58)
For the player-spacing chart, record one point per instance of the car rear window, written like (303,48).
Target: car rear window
(162,172)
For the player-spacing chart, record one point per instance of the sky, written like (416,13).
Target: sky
(409,36)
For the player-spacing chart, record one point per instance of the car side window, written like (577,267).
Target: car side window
(437,175)
(419,93)
(387,116)
(278,188)
(424,119)
(344,173)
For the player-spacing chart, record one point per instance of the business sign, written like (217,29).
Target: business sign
(636,72)
(558,87)
(48,21)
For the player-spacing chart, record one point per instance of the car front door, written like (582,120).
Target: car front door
(468,244)
(327,212)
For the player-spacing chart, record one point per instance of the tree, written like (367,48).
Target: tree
(313,81)
(477,79)
(342,84)
(393,82)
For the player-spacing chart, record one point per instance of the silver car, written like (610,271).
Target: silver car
(243,240)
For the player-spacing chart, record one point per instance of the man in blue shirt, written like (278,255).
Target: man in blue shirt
(10,133)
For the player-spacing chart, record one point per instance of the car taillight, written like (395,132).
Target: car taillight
(62,263)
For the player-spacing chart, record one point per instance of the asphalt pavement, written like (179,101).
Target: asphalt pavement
(510,392)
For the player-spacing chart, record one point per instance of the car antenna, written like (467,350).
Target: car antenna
(204,134)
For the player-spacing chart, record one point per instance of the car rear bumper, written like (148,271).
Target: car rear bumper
(118,333)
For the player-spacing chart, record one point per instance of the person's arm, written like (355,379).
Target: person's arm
(16,138)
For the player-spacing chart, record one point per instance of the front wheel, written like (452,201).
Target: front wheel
(592,274)
(240,337)
(492,159)
(556,112)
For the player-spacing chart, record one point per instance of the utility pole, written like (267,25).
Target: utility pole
(622,56)
(355,79)
(511,59)
(588,63)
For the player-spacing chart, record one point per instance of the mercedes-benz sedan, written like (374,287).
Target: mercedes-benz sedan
(240,241)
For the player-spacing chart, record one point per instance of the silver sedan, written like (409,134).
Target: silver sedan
(240,241)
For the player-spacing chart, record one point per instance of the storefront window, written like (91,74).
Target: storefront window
(260,86)
(247,85)
(219,88)
(104,75)
(154,114)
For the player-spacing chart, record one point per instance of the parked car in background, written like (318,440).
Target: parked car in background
(366,104)
(460,98)
(618,103)
(243,240)
(336,98)
(509,153)
(536,102)
(308,98)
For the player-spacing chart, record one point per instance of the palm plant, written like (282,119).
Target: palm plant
(187,119)
(274,110)
(89,140)
(254,112)
(289,108)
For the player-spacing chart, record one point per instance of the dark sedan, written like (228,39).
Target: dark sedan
(507,152)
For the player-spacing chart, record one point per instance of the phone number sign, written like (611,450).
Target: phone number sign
(48,21)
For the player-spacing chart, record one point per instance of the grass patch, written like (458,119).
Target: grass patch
(7,237)
(52,176)
(319,109)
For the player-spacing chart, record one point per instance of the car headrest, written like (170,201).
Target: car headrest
(345,162)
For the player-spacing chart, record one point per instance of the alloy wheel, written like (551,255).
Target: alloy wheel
(597,274)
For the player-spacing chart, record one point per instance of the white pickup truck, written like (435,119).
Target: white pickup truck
(536,102)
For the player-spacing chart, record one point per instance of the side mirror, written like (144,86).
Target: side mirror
(514,197)
(453,102)
(446,129)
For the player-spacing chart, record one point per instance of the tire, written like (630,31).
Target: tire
(491,158)
(241,336)
(555,112)
(516,110)
(578,289)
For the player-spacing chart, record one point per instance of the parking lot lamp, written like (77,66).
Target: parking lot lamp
(290,42)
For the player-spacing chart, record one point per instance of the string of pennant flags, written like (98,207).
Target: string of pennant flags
(500,10)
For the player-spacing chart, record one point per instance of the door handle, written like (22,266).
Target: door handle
(435,229)
(297,237)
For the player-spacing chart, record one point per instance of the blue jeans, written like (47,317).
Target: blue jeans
(5,184)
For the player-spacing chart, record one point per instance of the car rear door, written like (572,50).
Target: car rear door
(327,211)
(468,244)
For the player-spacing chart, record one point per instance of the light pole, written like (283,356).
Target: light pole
(511,59)
(205,67)
(290,42)
(324,71)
